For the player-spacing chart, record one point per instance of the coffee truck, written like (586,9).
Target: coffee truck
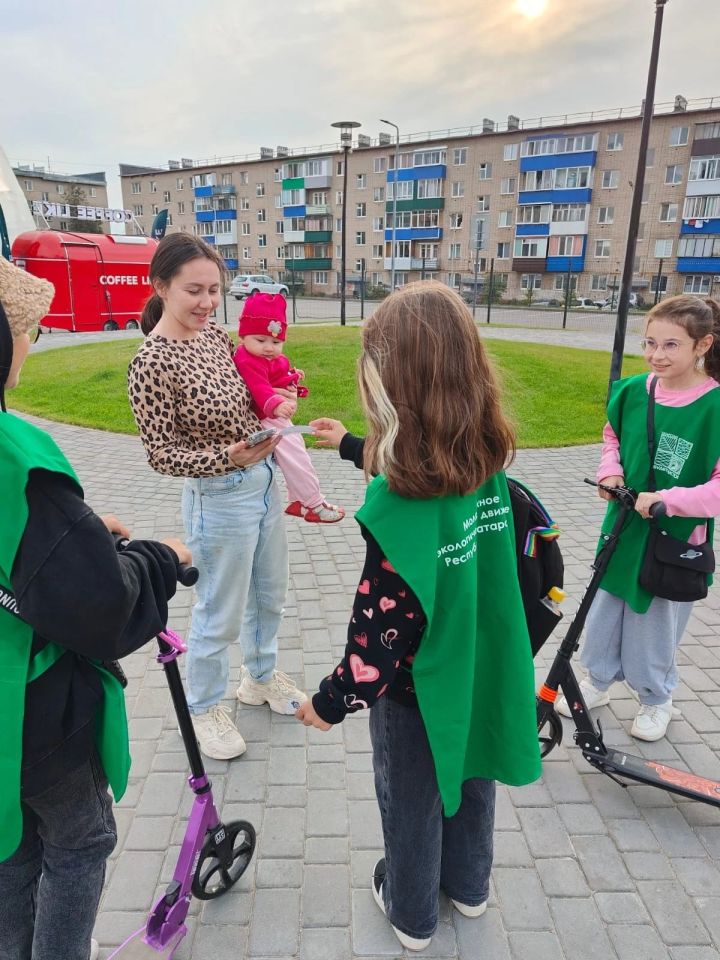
(101,280)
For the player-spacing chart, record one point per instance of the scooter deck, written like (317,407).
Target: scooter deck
(135,947)
(656,775)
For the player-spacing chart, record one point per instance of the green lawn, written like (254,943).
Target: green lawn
(556,396)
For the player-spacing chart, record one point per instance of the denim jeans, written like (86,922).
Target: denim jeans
(235,528)
(424,850)
(50,887)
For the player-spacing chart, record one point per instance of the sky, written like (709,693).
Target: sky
(145,83)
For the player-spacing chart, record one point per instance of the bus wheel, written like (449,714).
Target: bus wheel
(132,325)
(110,325)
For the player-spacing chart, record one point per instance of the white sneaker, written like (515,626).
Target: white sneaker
(94,949)
(467,911)
(217,735)
(591,695)
(651,721)
(378,879)
(280,692)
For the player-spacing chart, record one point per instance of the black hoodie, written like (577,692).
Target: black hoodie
(75,589)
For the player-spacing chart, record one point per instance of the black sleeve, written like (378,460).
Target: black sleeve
(386,622)
(74,588)
(352,448)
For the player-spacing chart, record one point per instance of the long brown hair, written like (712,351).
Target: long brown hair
(173,252)
(431,396)
(698,318)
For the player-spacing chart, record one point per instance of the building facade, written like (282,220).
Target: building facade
(86,189)
(538,203)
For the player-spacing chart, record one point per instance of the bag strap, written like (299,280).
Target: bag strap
(651,432)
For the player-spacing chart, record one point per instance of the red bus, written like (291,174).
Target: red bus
(101,280)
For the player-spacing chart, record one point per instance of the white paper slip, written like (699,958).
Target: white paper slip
(296,428)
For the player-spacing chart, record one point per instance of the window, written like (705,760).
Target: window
(153,186)
(244,203)
(262,239)
(263,263)
(571,178)
(61,188)
(530,281)
(339,168)
(137,209)
(226,179)
(602,248)
(599,281)
(320,277)
(426,158)
(668,212)
(707,208)
(454,279)
(223,226)
(650,157)
(456,220)
(377,251)
(534,213)
(378,194)
(547,146)
(569,212)
(277,177)
(561,282)
(405,189)
(565,246)
(458,188)
(610,179)
(708,131)
(244,229)
(278,201)
(697,284)
(615,141)
(246,253)
(338,224)
(29,186)
(460,156)
(400,279)
(279,226)
(454,251)
(483,203)
(606,215)
(428,188)
(379,165)
(360,237)
(378,224)
(319,198)
(678,136)
(537,180)
(530,247)
(503,250)
(338,197)
(508,185)
(510,151)
(402,248)
(280,253)
(244,177)
(259,189)
(699,246)
(663,248)
(505,218)
(485,171)
(136,187)
(704,168)
(262,216)
(673,174)
(181,206)
(205,229)
(315,168)
(360,209)
(358,266)
(640,232)
(93,192)
(360,181)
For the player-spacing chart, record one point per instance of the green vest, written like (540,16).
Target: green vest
(687,447)
(23,448)
(473,671)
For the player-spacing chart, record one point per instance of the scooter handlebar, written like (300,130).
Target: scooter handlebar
(657,510)
(187,575)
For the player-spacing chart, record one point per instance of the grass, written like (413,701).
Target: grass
(555,395)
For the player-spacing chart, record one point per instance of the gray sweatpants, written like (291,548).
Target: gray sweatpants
(638,647)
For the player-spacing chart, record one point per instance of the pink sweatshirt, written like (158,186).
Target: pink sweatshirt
(262,376)
(700,501)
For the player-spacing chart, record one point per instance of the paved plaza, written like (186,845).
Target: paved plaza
(584,869)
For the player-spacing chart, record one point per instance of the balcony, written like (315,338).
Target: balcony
(401,263)
(309,263)
(320,182)
(423,263)
(294,236)
(317,209)
(224,189)
(422,203)
(318,236)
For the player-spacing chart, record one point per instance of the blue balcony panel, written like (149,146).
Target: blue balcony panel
(210,240)
(226,214)
(231,264)
(204,216)
(585,158)
(202,191)
(563,264)
(707,227)
(414,233)
(533,230)
(297,211)
(698,265)
(583,195)
(430,172)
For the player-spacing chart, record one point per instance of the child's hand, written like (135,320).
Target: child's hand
(289,392)
(115,526)
(610,482)
(306,714)
(285,409)
(645,501)
(300,373)
(328,432)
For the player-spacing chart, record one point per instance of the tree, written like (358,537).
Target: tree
(75,197)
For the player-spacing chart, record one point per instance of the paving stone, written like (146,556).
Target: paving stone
(672,912)
(522,903)
(483,939)
(149,833)
(327,813)
(545,833)
(694,953)
(247,781)
(602,864)
(511,850)
(287,765)
(279,873)
(699,877)
(621,908)
(133,880)
(327,850)
(637,942)
(562,877)
(324,944)
(649,866)
(564,784)
(233,907)
(365,829)
(275,924)
(709,910)
(632,835)
(219,942)
(326,776)
(581,930)
(581,819)
(675,836)
(538,945)
(372,934)
(325,896)
(283,832)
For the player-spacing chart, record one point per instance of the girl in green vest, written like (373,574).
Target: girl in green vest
(632,635)
(437,642)
(68,601)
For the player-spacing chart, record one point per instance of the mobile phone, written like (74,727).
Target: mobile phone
(258,437)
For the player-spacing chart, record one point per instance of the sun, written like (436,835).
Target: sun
(531,8)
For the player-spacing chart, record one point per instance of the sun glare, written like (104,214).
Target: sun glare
(531,8)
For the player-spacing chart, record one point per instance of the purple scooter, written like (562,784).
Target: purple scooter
(214,855)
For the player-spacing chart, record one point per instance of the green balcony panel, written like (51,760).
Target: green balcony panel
(318,236)
(428,203)
(294,183)
(314,263)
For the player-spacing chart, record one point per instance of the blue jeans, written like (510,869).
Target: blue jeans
(234,526)
(425,851)
(50,887)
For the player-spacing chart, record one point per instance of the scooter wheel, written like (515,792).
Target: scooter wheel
(224,858)
(550,733)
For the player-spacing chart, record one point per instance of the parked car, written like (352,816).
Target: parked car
(585,303)
(612,302)
(245,284)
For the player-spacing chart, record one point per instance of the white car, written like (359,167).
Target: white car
(612,302)
(585,303)
(245,284)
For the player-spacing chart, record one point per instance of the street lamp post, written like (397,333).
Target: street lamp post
(639,184)
(346,128)
(395,190)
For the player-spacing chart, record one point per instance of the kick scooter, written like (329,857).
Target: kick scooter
(214,855)
(616,764)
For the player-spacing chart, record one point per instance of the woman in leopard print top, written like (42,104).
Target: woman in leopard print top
(193,411)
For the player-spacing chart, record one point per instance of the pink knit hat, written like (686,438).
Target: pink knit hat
(264,314)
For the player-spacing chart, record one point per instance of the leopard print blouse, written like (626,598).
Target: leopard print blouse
(190,403)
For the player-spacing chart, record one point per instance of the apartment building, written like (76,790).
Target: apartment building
(86,189)
(547,200)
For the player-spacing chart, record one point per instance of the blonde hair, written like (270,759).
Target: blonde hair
(431,396)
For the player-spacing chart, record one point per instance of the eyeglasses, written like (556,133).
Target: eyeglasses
(668,347)
(34,333)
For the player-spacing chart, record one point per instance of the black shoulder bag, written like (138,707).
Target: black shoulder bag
(672,569)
